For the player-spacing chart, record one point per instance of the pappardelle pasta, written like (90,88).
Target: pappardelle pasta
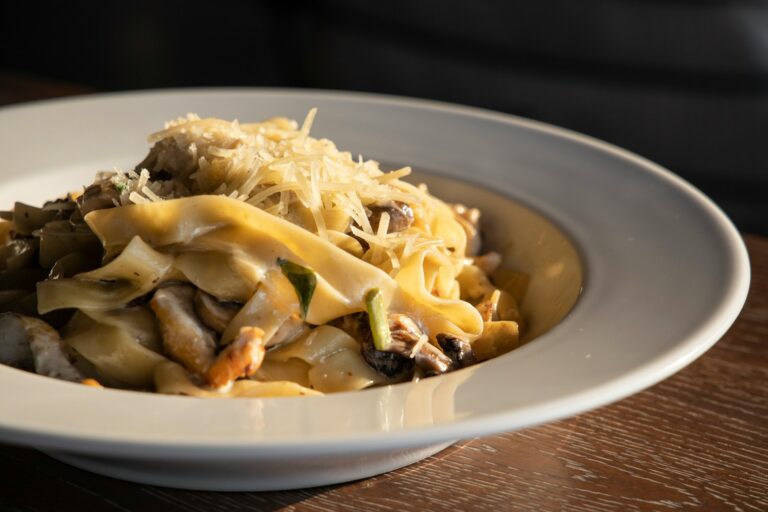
(250,260)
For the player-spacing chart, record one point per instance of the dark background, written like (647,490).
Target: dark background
(684,83)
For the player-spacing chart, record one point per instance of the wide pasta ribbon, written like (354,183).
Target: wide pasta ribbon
(253,237)
(177,238)
(437,315)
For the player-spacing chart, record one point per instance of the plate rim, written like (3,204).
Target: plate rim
(642,377)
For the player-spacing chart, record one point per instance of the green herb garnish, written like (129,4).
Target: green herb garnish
(303,280)
(377,317)
(120,187)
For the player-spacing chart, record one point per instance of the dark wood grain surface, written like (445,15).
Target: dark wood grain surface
(696,441)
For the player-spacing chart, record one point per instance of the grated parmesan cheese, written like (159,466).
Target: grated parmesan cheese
(277,166)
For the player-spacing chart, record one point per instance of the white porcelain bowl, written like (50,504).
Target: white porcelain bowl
(664,275)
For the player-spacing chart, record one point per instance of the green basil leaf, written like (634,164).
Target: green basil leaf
(304,281)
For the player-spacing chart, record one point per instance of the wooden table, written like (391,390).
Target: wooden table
(697,441)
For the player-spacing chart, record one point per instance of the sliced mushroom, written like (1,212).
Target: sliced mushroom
(400,218)
(185,338)
(407,337)
(25,340)
(168,159)
(400,215)
(241,358)
(458,350)
(98,196)
(432,361)
(409,340)
(390,364)
(408,347)
(214,313)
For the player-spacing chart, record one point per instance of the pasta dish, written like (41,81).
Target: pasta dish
(250,260)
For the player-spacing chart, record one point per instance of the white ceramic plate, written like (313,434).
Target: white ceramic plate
(665,275)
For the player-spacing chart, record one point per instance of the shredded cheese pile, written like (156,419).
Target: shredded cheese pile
(277,166)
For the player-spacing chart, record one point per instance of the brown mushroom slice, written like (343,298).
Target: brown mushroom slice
(409,341)
(458,350)
(432,361)
(100,195)
(43,342)
(214,313)
(185,338)
(400,215)
(241,358)
(399,218)
(168,159)
(390,364)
